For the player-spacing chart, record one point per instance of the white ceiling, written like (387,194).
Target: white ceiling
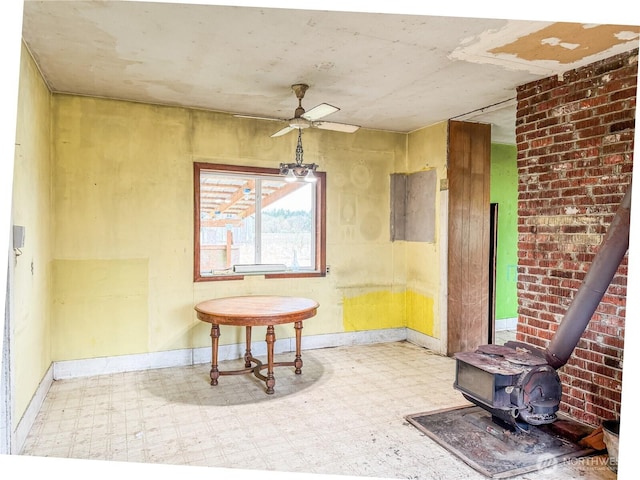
(384,71)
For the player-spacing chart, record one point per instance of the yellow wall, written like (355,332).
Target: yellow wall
(409,287)
(375,310)
(122,203)
(31,208)
(123,200)
(105,190)
(426,312)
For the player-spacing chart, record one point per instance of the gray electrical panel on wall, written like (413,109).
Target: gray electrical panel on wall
(18,236)
(413,206)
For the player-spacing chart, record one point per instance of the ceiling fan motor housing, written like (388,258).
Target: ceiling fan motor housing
(299,89)
(303,119)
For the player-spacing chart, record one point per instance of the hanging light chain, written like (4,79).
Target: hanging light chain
(297,170)
(299,151)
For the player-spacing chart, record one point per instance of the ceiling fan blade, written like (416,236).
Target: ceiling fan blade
(338,127)
(256,117)
(283,131)
(320,111)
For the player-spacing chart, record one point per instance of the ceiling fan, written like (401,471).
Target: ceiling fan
(302,119)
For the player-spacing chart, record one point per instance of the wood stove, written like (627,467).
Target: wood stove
(518,383)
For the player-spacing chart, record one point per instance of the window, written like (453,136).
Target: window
(250,220)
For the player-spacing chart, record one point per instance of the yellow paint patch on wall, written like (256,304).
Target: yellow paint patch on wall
(100,308)
(385,309)
(373,311)
(568,42)
(420,315)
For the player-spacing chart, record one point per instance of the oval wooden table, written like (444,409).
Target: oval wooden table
(250,311)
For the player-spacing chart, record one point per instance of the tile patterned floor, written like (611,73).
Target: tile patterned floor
(343,416)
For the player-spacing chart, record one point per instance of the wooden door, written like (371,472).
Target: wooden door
(469,164)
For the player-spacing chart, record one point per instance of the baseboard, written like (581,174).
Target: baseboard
(91,367)
(506,324)
(29,417)
(193,356)
(434,344)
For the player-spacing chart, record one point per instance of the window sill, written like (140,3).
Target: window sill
(266,275)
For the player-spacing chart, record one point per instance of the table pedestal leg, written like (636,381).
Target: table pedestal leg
(271,338)
(298,361)
(247,354)
(215,335)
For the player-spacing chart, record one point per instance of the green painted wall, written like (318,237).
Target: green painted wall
(504,192)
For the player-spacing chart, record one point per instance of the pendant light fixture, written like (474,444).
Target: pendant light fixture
(298,170)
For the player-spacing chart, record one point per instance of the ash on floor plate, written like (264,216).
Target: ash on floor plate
(496,451)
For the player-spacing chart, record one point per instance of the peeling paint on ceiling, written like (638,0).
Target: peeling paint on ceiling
(547,48)
(567,43)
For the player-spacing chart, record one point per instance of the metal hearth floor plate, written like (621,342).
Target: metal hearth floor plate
(495,451)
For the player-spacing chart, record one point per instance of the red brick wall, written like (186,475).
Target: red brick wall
(575,147)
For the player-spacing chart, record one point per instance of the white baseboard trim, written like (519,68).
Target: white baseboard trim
(506,324)
(123,363)
(354,338)
(29,417)
(193,356)
(434,344)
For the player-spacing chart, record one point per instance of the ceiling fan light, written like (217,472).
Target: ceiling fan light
(299,122)
(290,176)
(310,176)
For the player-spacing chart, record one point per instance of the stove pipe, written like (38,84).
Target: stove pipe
(595,284)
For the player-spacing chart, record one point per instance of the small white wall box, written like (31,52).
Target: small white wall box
(18,236)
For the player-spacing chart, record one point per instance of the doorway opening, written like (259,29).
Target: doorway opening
(493,261)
